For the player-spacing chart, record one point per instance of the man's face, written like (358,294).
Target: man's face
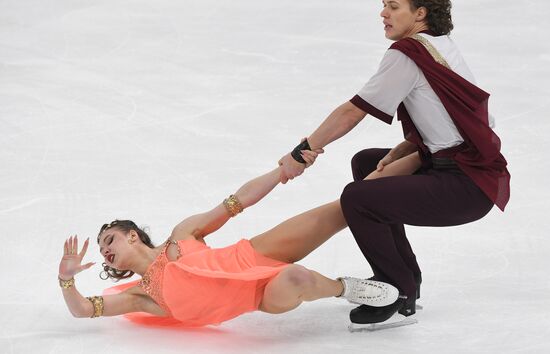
(399,19)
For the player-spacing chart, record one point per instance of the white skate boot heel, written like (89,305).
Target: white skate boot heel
(368,292)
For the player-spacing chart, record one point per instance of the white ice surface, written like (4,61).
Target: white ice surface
(155,110)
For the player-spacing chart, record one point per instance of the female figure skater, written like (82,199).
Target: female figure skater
(194,285)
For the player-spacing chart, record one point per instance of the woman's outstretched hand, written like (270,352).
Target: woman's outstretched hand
(71,262)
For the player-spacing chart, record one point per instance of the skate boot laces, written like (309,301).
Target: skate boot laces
(368,292)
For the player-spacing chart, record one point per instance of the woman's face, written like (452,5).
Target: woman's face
(399,20)
(115,248)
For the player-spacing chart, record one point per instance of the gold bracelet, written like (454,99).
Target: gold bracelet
(232,205)
(66,284)
(97,302)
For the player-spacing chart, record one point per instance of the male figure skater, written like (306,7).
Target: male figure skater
(423,78)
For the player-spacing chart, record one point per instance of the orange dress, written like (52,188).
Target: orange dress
(204,285)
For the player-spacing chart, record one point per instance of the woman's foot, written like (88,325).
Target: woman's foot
(368,292)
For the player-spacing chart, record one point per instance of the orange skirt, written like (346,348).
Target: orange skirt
(211,285)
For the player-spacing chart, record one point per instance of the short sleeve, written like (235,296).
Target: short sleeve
(396,77)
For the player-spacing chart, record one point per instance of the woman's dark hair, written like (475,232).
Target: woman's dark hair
(124,226)
(439,14)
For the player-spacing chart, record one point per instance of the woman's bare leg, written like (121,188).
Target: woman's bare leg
(297,237)
(294,285)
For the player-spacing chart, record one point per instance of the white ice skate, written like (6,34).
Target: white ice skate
(368,292)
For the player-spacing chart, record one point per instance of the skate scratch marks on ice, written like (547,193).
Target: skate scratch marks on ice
(22,205)
(253,54)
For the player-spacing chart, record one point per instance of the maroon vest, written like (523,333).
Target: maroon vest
(479,156)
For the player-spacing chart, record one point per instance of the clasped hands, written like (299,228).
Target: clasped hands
(290,168)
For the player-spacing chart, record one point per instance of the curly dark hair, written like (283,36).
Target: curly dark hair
(124,226)
(439,14)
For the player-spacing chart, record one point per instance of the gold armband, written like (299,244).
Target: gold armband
(66,284)
(232,205)
(97,302)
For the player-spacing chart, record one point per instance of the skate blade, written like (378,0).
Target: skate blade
(372,327)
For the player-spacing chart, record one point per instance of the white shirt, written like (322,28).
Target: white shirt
(400,80)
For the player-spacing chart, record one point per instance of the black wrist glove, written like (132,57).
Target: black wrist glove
(304,145)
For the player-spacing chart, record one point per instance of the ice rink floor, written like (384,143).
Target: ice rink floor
(156,110)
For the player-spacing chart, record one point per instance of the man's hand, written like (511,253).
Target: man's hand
(310,156)
(403,149)
(291,168)
(386,160)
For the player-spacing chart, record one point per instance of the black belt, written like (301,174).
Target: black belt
(443,163)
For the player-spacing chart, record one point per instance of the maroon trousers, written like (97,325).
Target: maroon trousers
(376,211)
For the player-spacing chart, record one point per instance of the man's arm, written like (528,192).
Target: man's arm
(342,120)
(403,149)
(337,124)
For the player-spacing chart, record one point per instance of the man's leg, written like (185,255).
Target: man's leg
(436,198)
(404,248)
(365,161)
(362,164)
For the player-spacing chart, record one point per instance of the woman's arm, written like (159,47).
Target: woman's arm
(200,225)
(248,194)
(111,305)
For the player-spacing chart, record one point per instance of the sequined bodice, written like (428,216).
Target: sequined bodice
(151,282)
